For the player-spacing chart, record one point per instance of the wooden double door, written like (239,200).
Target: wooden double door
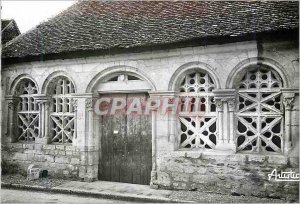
(126,147)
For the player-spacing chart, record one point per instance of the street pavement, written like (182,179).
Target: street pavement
(23,196)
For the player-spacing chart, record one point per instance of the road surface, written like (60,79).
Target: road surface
(22,196)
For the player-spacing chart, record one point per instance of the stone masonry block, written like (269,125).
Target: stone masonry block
(60,147)
(180,177)
(50,158)
(163,179)
(28,146)
(60,152)
(16,145)
(40,158)
(76,153)
(75,161)
(62,160)
(48,147)
(70,148)
(30,157)
(20,156)
(82,171)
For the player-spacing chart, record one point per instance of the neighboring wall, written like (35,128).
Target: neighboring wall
(223,171)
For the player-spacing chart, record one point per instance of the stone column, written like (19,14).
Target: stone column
(225,102)
(162,132)
(231,125)
(288,98)
(43,103)
(12,103)
(90,149)
(75,105)
(219,104)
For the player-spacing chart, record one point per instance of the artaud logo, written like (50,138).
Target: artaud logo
(143,106)
(284,176)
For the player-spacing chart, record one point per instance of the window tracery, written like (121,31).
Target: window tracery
(260,111)
(62,111)
(27,111)
(198,114)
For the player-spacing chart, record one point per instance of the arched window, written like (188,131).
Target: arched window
(62,115)
(198,116)
(27,111)
(259,113)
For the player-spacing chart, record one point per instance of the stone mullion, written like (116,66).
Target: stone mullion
(74,106)
(225,103)
(42,101)
(219,104)
(46,121)
(231,107)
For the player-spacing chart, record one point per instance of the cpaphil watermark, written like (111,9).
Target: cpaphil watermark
(284,176)
(105,106)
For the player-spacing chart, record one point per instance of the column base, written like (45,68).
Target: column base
(225,146)
(153,184)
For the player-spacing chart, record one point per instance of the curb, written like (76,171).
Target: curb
(116,196)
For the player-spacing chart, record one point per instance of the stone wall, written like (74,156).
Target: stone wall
(222,171)
(59,160)
(237,174)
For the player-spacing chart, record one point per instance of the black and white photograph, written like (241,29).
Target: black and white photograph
(146,101)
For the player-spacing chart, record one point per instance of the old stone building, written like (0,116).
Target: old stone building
(239,59)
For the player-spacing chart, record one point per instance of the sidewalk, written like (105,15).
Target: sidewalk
(127,192)
(103,189)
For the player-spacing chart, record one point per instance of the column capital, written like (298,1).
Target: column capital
(74,103)
(42,99)
(12,102)
(219,104)
(231,104)
(89,104)
(288,102)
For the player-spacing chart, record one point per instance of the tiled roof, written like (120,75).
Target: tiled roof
(9,30)
(102,25)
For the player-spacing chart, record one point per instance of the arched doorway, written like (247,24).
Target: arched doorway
(125,139)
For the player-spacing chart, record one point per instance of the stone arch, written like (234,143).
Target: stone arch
(192,66)
(110,71)
(52,76)
(17,80)
(239,70)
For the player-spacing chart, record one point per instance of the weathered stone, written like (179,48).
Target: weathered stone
(163,179)
(60,147)
(61,159)
(75,161)
(48,147)
(50,158)
(180,177)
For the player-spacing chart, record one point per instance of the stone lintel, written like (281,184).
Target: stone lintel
(162,93)
(10,98)
(290,91)
(83,95)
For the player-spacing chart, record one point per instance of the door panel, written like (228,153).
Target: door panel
(126,147)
